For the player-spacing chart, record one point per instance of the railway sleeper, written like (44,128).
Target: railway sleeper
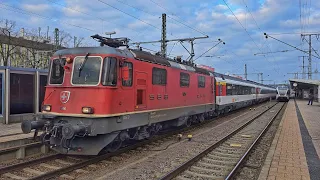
(195,175)
(220,162)
(206,171)
(222,158)
(13,176)
(221,154)
(234,152)
(231,149)
(212,166)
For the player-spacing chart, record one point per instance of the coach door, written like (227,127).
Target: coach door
(140,90)
(213,85)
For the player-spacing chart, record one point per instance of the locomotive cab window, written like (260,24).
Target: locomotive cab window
(57,71)
(184,79)
(109,73)
(159,76)
(86,70)
(127,82)
(201,81)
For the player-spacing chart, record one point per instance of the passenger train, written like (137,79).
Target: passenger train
(283,93)
(98,98)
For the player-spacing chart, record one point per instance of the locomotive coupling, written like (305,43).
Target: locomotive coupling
(69,131)
(28,125)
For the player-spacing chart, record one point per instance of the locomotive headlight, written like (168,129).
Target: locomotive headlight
(46,108)
(87,110)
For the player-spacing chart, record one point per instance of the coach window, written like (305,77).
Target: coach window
(229,89)
(201,81)
(109,74)
(128,82)
(159,76)
(57,71)
(184,79)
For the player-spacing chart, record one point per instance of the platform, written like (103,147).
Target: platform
(11,135)
(294,153)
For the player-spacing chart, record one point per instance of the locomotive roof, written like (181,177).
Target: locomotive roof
(134,54)
(95,50)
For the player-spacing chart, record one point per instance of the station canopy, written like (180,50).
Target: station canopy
(304,83)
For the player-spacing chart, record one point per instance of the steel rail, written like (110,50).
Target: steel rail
(79,165)
(172,174)
(15,148)
(234,170)
(13,134)
(63,170)
(29,163)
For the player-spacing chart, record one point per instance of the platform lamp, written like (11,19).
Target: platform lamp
(110,33)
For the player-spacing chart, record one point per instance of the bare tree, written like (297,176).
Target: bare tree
(77,42)
(34,58)
(7,29)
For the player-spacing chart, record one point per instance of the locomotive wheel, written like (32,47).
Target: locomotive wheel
(188,122)
(114,145)
(201,118)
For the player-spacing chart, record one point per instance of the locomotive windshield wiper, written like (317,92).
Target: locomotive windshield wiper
(82,64)
(60,61)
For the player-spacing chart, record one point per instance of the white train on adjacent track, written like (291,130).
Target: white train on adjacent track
(233,93)
(283,93)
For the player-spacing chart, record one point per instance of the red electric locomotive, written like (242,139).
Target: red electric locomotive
(98,97)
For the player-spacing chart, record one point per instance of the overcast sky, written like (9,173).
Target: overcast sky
(140,20)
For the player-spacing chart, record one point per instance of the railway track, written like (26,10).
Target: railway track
(222,159)
(57,164)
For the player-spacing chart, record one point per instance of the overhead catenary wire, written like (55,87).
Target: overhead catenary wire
(178,20)
(313,49)
(260,31)
(292,33)
(21,11)
(142,10)
(139,9)
(103,20)
(245,29)
(300,16)
(267,35)
(129,14)
(209,49)
(287,50)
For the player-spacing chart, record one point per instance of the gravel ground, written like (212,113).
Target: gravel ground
(153,162)
(253,164)
(29,158)
(253,129)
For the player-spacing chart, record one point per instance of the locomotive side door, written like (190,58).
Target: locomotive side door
(140,90)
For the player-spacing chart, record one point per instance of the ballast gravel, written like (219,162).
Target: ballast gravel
(255,160)
(155,161)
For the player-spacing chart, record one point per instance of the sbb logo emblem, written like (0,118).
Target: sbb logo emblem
(64,96)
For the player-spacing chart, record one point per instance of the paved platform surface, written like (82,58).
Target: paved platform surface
(311,117)
(292,155)
(9,129)
(11,132)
